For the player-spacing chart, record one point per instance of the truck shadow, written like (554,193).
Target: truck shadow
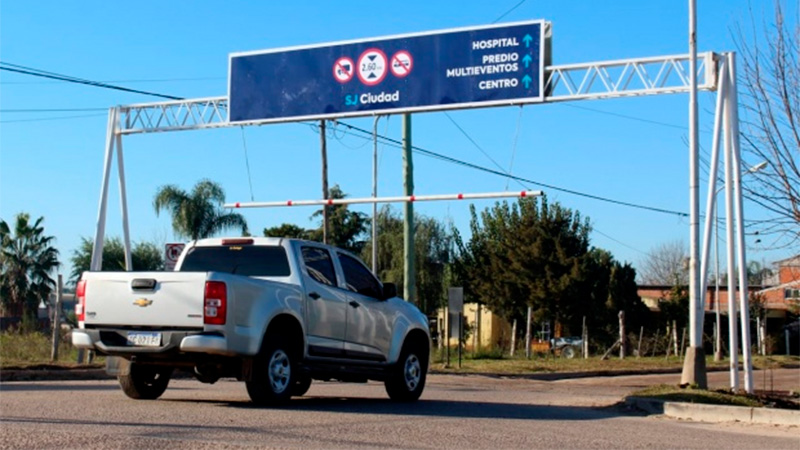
(454,409)
(435,408)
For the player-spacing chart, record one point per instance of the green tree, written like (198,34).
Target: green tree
(611,287)
(347,228)
(537,254)
(432,255)
(144,256)
(198,214)
(676,307)
(287,230)
(27,259)
(530,253)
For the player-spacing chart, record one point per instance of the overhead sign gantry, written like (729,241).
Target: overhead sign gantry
(495,65)
(449,69)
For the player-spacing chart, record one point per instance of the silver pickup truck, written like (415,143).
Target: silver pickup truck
(274,313)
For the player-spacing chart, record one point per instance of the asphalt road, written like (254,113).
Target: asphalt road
(454,412)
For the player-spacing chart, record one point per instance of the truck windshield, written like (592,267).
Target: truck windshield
(249,260)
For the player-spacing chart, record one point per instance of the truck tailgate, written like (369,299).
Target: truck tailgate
(145,299)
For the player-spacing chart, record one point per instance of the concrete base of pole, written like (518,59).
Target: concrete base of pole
(694,368)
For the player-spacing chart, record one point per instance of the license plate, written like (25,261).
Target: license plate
(144,339)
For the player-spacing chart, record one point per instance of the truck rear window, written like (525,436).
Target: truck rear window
(249,260)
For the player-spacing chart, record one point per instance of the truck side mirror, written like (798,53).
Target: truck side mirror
(389,290)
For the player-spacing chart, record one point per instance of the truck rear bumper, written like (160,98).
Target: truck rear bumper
(206,343)
(112,342)
(81,339)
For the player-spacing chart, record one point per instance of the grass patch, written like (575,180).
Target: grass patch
(31,350)
(494,361)
(718,397)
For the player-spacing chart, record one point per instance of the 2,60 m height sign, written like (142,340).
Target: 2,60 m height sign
(449,69)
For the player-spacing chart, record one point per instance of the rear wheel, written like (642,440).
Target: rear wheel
(145,382)
(407,378)
(273,375)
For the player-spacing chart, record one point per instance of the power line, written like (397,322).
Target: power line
(42,119)
(40,73)
(509,11)
(141,80)
(398,144)
(624,116)
(55,76)
(38,110)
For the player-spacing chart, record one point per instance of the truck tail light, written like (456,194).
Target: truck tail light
(215,303)
(80,306)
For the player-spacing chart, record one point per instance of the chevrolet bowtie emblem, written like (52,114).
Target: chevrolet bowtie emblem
(142,302)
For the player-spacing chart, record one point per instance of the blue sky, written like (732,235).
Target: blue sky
(51,161)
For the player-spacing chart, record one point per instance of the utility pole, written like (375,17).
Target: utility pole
(409,287)
(375,195)
(325,194)
(694,365)
(57,319)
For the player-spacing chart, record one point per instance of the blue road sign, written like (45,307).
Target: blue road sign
(449,69)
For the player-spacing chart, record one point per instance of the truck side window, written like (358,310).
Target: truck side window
(319,265)
(358,278)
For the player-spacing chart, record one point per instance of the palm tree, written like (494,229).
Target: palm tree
(198,214)
(26,260)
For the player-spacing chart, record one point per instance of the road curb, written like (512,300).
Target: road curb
(716,413)
(53,374)
(553,376)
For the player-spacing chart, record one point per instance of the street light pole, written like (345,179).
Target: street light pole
(694,365)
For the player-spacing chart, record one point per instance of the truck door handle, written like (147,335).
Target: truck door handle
(314,295)
(355,304)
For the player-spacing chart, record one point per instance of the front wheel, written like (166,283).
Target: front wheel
(407,378)
(273,376)
(145,382)
(301,386)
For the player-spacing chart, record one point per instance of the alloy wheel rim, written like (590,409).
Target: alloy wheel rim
(412,372)
(279,371)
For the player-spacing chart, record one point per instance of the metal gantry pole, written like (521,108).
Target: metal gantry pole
(123,203)
(718,336)
(742,254)
(712,185)
(711,203)
(694,370)
(733,333)
(99,235)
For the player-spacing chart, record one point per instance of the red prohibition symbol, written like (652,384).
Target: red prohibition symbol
(401,64)
(343,69)
(372,66)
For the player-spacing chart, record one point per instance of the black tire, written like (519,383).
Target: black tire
(568,352)
(301,386)
(406,379)
(274,375)
(145,382)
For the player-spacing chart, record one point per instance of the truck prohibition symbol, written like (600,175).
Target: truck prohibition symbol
(274,313)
